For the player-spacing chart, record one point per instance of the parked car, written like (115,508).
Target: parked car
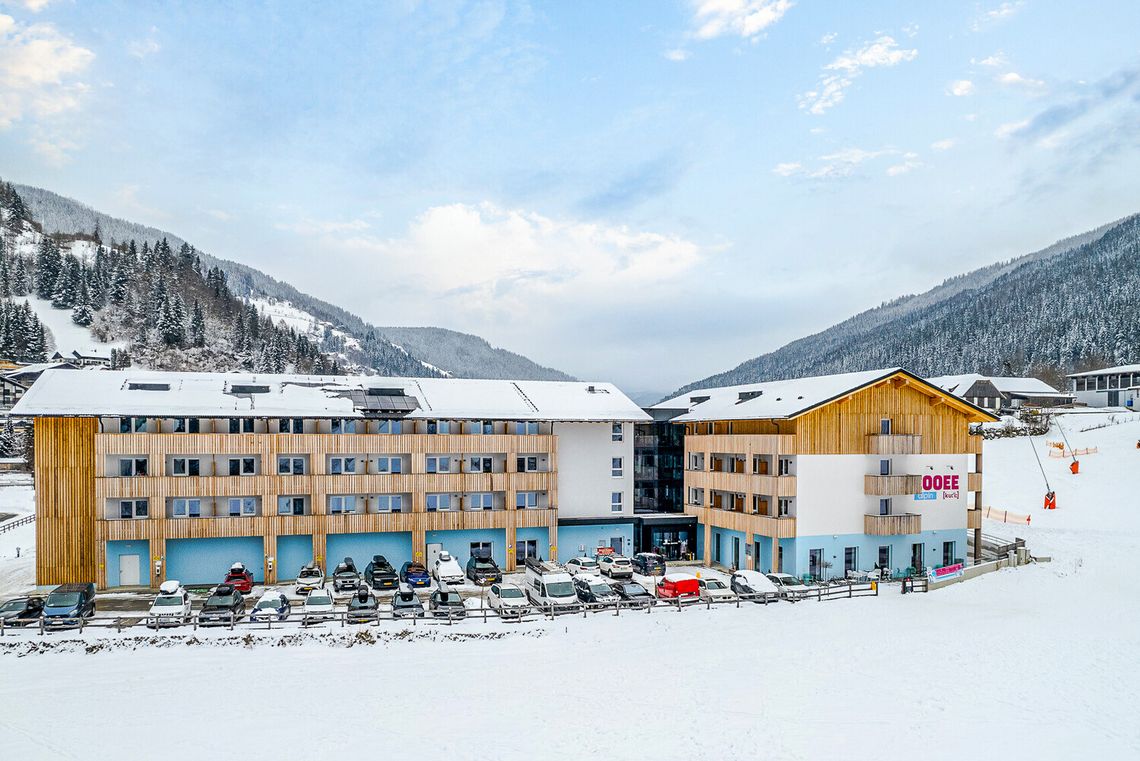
(271,606)
(649,564)
(682,586)
(575,566)
(483,571)
(21,611)
(379,574)
(415,575)
(406,603)
(240,577)
(632,592)
(713,590)
(447,569)
(345,576)
(446,603)
(508,600)
(615,566)
(790,586)
(753,583)
(318,607)
(593,589)
(224,605)
(68,603)
(363,606)
(311,577)
(171,607)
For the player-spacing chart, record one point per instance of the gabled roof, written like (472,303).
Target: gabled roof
(174,394)
(960,384)
(787,399)
(1109,371)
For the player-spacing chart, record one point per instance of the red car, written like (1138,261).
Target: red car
(678,585)
(240,577)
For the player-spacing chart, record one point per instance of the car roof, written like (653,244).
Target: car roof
(270,594)
(591,578)
(72,588)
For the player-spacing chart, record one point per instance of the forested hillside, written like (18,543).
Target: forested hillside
(1072,306)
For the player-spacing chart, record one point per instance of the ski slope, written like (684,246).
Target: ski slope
(1038,662)
(65,336)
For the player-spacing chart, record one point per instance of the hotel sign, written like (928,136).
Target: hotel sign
(944,486)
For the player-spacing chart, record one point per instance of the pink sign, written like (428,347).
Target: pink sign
(948,571)
(940,482)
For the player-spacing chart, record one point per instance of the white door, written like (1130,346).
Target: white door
(128,570)
(433,551)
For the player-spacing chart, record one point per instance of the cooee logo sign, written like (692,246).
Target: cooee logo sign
(939,483)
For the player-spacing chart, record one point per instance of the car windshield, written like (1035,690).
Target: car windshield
(601,589)
(587,563)
(356,603)
(168,600)
(448,598)
(263,604)
(635,589)
(484,565)
(560,589)
(221,601)
(510,593)
(310,574)
(715,584)
(12,605)
(320,599)
(621,561)
(415,568)
(406,599)
(63,599)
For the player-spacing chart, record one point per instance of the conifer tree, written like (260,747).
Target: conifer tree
(197,326)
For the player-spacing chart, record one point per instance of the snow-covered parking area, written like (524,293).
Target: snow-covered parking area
(1037,662)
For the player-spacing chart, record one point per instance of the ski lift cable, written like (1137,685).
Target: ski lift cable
(1040,465)
(1065,438)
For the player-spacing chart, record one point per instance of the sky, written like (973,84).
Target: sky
(641,192)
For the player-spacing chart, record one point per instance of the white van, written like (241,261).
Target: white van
(548,583)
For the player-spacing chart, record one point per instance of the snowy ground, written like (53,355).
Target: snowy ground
(66,336)
(1038,662)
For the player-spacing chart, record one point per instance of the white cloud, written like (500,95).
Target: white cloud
(910,161)
(35,6)
(1010,128)
(322,227)
(38,66)
(971,117)
(910,30)
(829,38)
(961,87)
(55,151)
(1013,79)
(677,55)
(945,144)
(841,73)
(995,15)
(220,215)
(997,59)
(842,163)
(741,18)
(143,48)
(788,168)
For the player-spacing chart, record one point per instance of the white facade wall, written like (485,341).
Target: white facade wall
(585,483)
(830,496)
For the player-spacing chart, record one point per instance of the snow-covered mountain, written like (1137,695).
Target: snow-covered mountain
(336,331)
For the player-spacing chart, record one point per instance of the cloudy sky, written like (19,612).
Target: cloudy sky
(643,192)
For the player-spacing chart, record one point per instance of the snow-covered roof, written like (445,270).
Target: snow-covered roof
(782,399)
(960,384)
(37,368)
(1109,371)
(145,393)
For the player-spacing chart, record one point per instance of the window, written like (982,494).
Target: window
(132,466)
(243,466)
(785,466)
(241,425)
(947,553)
(696,496)
(696,461)
(439,426)
(527,464)
(884,467)
(885,556)
(615,502)
(290,505)
(616,433)
(616,468)
(784,506)
(438,502)
(186,425)
(186,466)
(186,508)
(389,426)
(339,503)
(338,465)
(132,425)
(133,508)
(526,427)
(389,503)
(850,559)
(246,505)
(885,426)
(291,466)
(885,506)
(438,464)
(389,465)
(480,501)
(526,499)
(480,549)
(479,465)
(347,425)
(291,425)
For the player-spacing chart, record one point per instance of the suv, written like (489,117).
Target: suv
(594,589)
(446,603)
(714,589)
(615,566)
(633,593)
(171,607)
(225,605)
(447,569)
(379,574)
(362,606)
(483,571)
(754,585)
(649,564)
(311,577)
(319,606)
(406,603)
(414,575)
(68,603)
(22,611)
(791,588)
(272,605)
(345,576)
(575,566)
(240,577)
(507,600)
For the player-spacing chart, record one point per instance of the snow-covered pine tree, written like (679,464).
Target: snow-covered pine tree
(197,325)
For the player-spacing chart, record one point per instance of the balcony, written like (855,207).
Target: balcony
(894,443)
(892,525)
(974,482)
(974,518)
(891,486)
(747,523)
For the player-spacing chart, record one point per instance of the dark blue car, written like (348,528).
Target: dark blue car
(68,604)
(415,575)
(273,606)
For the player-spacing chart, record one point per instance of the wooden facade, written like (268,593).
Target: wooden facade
(892,525)
(891,486)
(65,500)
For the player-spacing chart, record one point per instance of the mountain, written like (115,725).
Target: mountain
(359,345)
(1073,305)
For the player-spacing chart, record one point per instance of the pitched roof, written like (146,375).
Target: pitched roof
(784,399)
(1109,371)
(960,384)
(173,394)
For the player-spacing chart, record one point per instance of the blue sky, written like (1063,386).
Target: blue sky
(641,192)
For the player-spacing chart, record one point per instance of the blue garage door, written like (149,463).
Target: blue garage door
(396,546)
(205,561)
(293,553)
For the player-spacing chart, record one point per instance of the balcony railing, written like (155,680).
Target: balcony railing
(974,518)
(894,443)
(889,486)
(892,525)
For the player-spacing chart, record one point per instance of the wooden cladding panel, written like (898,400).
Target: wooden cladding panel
(973,518)
(974,482)
(742,483)
(892,525)
(894,444)
(740,444)
(887,486)
(65,500)
(747,523)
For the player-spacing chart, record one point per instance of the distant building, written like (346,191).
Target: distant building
(1001,393)
(1110,387)
(659,487)
(15,380)
(95,356)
